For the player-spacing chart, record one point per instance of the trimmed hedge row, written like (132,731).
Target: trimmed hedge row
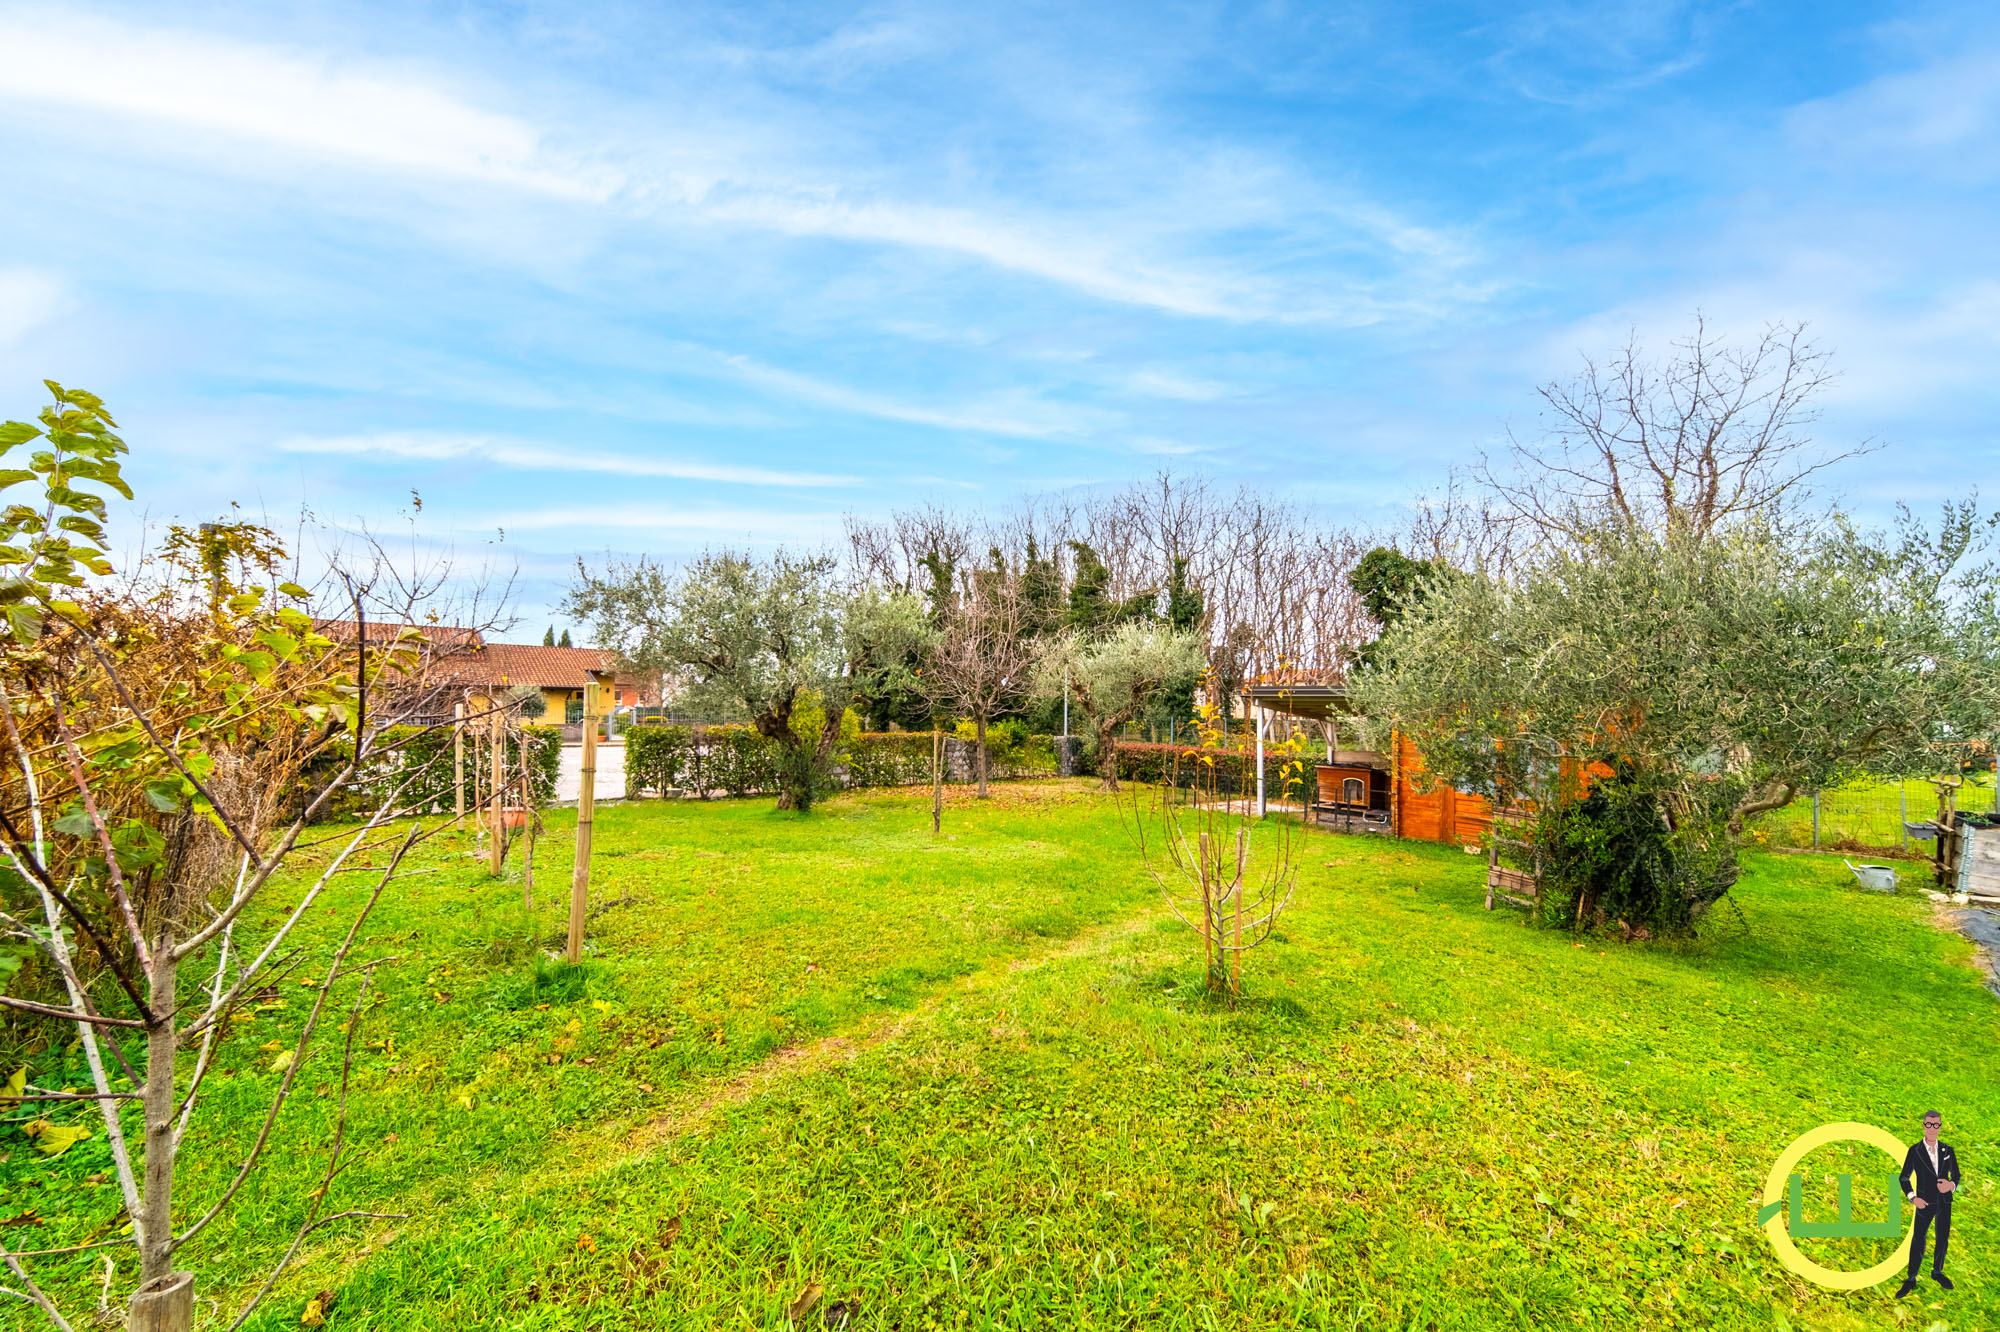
(738,761)
(1235,769)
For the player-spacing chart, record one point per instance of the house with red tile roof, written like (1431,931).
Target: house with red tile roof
(460,664)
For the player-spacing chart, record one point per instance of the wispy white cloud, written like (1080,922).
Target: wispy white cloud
(1019,415)
(1946,115)
(503,452)
(1170,384)
(1064,259)
(308,103)
(409,119)
(1165,448)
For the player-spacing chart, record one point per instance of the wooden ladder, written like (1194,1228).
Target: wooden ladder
(1520,888)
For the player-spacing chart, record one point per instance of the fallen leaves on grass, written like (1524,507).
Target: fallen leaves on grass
(54,1140)
(803,1305)
(317,1308)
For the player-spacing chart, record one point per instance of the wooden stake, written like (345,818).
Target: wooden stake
(458,766)
(937,780)
(586,798)
(496,854)
(528,833)
(1236,957)
(1211,923)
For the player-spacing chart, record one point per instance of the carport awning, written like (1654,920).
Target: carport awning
(1316,702)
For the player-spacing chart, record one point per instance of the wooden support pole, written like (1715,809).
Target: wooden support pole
(937,780)
(586,798)
(527,831)
(496,854)
(1236,956)
(458,766)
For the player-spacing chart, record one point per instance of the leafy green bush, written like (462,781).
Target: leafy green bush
(893,758)
(1626,853)
(732,759)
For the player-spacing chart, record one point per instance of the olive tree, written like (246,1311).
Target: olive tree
(1727,671)
(763,637)
(1112,678)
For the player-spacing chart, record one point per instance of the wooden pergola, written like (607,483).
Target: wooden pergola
(1309,702)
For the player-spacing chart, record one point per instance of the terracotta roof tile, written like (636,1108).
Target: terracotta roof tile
(527,663)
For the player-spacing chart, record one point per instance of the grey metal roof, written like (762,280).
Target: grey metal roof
(1315,701)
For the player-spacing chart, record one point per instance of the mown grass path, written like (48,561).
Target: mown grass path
(972,1083)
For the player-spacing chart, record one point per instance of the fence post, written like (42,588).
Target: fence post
(1262,809)
(1903,812)
(1815,820)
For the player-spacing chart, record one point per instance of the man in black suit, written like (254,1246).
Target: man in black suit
(1929,1178)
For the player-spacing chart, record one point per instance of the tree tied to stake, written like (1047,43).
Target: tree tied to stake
(1226,875)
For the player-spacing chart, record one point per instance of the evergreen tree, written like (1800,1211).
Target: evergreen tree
(944,580)
(1184,603)
(1041,593)
(565,639)
(1089,601)
(1389,582)
(549,638)
(1091,608)
(1175,702)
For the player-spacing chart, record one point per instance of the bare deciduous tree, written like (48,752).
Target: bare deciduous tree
(1227,876)
(984,652)
(1677,447)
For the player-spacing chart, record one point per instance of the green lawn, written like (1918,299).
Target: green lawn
(972,1082)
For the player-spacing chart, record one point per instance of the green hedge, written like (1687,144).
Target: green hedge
(1235,769)
(735,759)
(425,754)
(889,758)
(738,761)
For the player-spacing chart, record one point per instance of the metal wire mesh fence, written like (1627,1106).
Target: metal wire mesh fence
(1870,817)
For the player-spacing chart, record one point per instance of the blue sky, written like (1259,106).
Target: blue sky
(644,278)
